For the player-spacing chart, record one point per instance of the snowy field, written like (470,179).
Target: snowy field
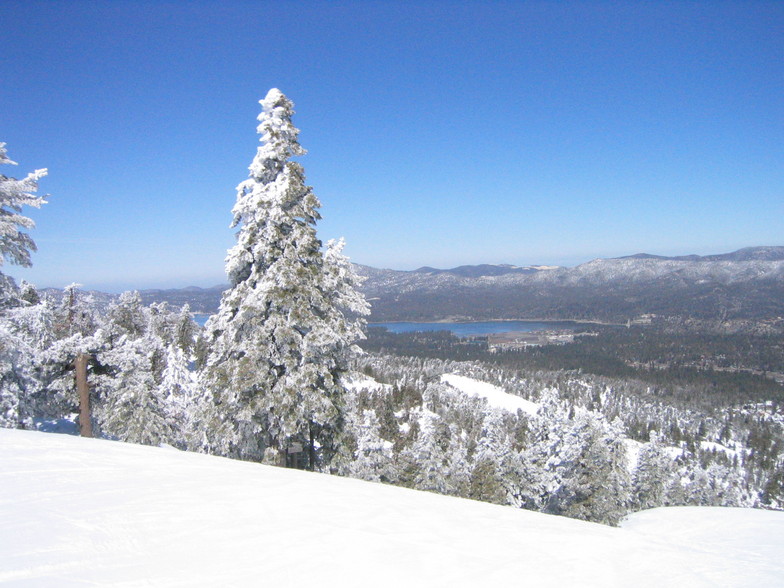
(84,512)
(496,396)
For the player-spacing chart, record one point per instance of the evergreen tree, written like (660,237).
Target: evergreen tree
(653,474)
(28,294)
(496,474)
(177,390)
(589,468)
(74,331)
(280,335)
(132,406)
(373,459)
(458,472)
(18,381)
(126,317)
(16,245)
(429,455)
(773,491)
(37,350)
(21,388)
(143,386)
(716,485)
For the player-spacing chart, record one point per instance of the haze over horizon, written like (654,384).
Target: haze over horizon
(439,134)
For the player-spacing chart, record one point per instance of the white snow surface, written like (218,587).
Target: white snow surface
(87,512)
(360,382)
(496,397)
(633,452)
(712,446)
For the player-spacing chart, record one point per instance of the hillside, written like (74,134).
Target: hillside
(82,511)
(747,285)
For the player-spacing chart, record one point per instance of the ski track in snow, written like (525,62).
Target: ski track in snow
(86,512)
(496,397)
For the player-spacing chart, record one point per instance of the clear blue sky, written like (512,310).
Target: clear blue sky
(439,133)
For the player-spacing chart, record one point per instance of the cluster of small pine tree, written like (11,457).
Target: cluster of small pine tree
(571,458)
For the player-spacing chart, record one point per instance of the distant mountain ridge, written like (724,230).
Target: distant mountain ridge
(747,284)
(745,254)
(200,300)
(477,271)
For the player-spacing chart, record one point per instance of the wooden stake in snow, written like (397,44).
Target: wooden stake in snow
(85,421)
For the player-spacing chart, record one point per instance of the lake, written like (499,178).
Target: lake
(201,319)
(469,329)
(478,328)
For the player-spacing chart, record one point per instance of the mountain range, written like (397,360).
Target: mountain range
(745,285)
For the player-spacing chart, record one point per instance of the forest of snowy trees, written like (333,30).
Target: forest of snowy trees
(594,449)
(276,377)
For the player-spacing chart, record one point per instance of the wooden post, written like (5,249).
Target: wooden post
(85,419)
(293,452)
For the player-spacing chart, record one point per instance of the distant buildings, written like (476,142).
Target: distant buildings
(517,341)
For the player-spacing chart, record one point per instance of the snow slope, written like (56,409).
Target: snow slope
(496,396)
(84,512)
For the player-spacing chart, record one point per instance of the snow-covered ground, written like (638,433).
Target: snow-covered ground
(359,382)
(633,452)
(718,447)
(496,397)
(85,512)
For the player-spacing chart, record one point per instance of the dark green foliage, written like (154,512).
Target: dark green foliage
(680,369)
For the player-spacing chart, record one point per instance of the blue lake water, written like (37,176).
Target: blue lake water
(201,319)
(470,329)
(474,329)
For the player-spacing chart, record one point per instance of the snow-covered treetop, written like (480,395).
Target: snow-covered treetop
(274,204)
(15,246)
(278,136)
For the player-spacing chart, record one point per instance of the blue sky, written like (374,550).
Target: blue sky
(439,133)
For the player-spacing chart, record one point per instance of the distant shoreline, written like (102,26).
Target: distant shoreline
(204,316)
(516,320)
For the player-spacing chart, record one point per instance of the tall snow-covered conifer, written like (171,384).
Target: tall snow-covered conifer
(16,245)
(289,316)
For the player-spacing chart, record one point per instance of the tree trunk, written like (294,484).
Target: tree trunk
(85,418)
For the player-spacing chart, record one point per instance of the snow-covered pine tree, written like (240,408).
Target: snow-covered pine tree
(458,472)
(588,465)
(428,453)
(25,332)
(16,245)
(177,390)
(497,467)
(279,337)
(373,458)
(132,407)
(69,359)
(653,475)
(18,380)
(126,317)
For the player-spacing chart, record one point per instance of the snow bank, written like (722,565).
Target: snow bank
(632,453)
(751,541)
(496,396)
(360,382)
(718,447)
(81,512)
